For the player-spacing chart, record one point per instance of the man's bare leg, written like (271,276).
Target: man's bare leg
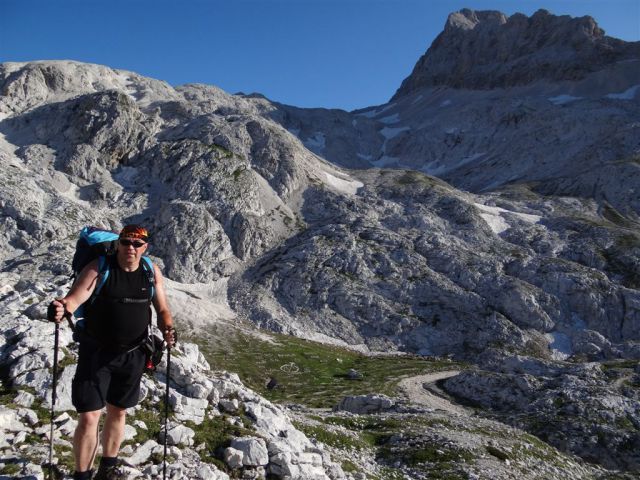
(113,430)
(85,440)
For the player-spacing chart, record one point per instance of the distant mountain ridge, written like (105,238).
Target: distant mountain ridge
(487,49)
(545,101)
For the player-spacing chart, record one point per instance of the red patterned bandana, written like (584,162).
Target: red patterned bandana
(134,231)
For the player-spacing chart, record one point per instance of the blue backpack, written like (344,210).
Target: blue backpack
(96,243)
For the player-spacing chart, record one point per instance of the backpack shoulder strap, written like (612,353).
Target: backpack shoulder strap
(103,273)
(147,264)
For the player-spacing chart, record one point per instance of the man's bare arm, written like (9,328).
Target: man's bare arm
(80,291)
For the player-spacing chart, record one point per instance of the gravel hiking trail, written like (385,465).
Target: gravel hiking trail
(422,390)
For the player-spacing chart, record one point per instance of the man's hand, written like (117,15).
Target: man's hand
(56,311)
(170,336)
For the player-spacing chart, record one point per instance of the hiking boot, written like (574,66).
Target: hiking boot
(114,472)
(87,475)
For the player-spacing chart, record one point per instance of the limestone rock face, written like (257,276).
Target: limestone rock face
(487,49)
(414,265)
(384,259)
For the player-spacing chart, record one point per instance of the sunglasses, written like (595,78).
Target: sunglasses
(131,243)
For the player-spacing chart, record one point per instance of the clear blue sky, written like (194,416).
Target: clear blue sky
(310,53)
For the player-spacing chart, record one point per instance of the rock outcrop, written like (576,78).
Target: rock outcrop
(582,409)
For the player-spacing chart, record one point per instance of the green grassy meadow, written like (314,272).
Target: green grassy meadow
(310,373)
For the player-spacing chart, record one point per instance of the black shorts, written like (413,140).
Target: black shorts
(106,377)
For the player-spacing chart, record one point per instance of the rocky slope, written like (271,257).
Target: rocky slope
(521,259)
(214,416)
(411,263)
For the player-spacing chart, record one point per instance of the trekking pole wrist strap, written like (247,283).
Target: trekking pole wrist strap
(69,316)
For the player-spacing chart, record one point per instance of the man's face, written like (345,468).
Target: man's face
(130,249)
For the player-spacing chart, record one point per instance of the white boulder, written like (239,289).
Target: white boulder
(254,451)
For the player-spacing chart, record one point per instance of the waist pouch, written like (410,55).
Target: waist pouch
(153,348)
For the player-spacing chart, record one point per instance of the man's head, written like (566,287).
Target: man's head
(132,242)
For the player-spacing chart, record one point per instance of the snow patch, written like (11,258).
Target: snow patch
(318,141)
(363,156)
(445,103)
(73,194)
(470,158)
(494,217)
(495,222)
(560,345)
(376,112)
(436,168)
(527,217)
(390,133)
(395,118)
(628,94)
(368,114)
(420,97)
(349,186)
(562,99)
(387,107)
(126,176)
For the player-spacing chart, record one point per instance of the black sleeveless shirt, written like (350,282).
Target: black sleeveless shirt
(119,316)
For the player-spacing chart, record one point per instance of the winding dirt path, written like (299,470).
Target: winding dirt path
(422,390)
(620,381)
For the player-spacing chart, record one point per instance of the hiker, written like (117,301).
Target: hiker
(110,360)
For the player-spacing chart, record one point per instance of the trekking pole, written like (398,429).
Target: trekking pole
(54,385)
(166,414)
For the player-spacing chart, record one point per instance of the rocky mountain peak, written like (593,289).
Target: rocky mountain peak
(487,49)
(467,19)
